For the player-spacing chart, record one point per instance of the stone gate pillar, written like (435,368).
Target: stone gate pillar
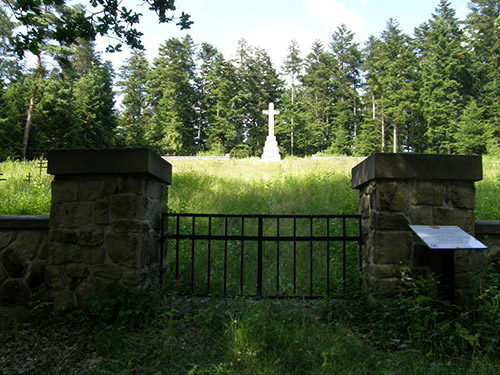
(105,221)
(398,190)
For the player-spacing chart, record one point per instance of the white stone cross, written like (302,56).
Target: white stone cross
(271,112)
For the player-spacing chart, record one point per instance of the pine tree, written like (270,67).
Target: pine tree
(345,112)
(172,95)
(472,134)
(94,107)
(317,100)
(485,43)
(445,79)
(133,85)
(372,98)
(292,68)
(217,88)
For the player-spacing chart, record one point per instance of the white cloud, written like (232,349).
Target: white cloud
(332,13)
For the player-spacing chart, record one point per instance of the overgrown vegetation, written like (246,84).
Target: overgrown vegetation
(413,333)
(26,188)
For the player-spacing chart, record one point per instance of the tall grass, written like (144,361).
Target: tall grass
(488,191)
(293,186)
(26,190)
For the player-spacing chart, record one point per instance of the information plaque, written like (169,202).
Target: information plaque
(446,237)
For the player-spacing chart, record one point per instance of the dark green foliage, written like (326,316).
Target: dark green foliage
(53,21)
(172,97)
(444,70)
(437,91)
(136,113)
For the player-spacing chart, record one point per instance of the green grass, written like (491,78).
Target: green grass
(159,334)
(26,190)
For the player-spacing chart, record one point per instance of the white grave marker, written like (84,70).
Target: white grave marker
(271,151)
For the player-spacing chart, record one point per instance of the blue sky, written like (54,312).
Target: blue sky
(272,24)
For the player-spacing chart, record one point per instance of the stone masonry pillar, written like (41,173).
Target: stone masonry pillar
(105,221)
(398,190)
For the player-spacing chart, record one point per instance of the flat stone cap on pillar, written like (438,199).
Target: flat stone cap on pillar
(417,166)
(109,161)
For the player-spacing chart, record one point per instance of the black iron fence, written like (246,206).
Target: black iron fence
(261,255)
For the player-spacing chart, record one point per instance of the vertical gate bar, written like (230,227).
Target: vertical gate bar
(360,250)
(225,256)
(294,255)
(162,246)
(209,252)
(360,241)
(259,255)
(328,257)
(177,249)
(242,253)
(311,257)
(192,255)
(344,260)
(278,257)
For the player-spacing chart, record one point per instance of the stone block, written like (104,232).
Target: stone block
(75,275)
(133,278)
(95,255)
(66,253)
(124,249)
(63,235)
(391,221)
(43,252)
(392,247)
(448,216)
(101,212)
(154,189)
(54,278)
(392,196)
(123,206)
(427,193)
(464,280)
(62,299)
(388,287)
(14,291)
(384,271)
(6,238)
(471,260)
(470,222)
(3,275)
(421,215)
(460,195)
(90,236)
(64,191)
(108,271)
(28,243)
(35,275)
(129,226)
(13,262)
(75,215)
(132,185)
(92,190)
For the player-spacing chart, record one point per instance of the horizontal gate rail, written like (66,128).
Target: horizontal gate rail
(182,232)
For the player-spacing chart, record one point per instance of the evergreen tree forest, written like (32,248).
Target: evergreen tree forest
(436,91)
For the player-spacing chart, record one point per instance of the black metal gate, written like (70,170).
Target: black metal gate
(261,255)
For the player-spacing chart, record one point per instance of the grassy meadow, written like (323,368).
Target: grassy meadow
(293,186)
(158,334)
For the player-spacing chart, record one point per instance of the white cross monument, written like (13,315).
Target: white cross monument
(271,151)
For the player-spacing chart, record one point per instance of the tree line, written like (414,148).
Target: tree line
(437,91)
